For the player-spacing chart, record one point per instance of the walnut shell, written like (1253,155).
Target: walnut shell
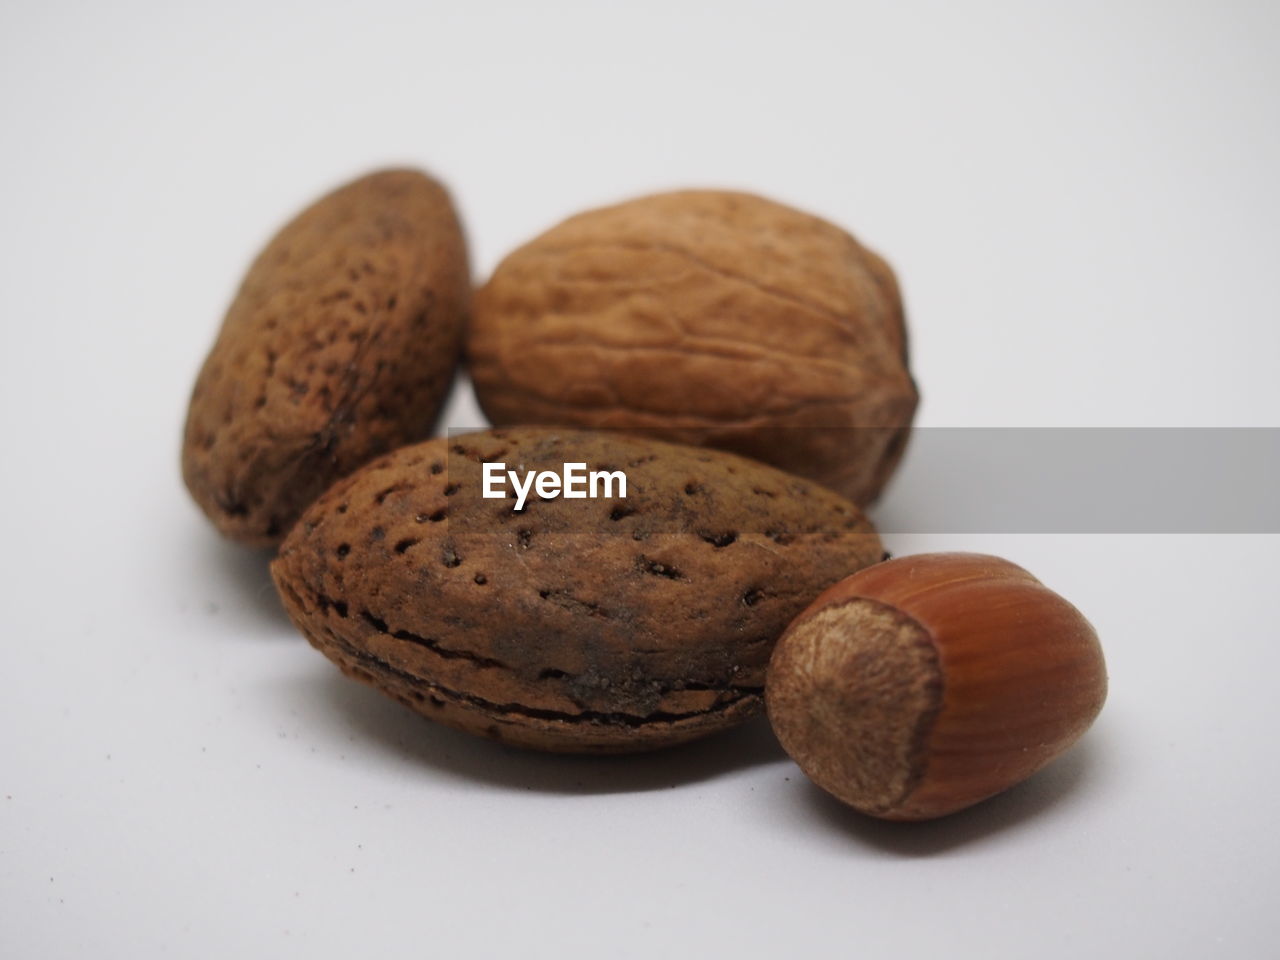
(587,625)
(704,317)
(340,345)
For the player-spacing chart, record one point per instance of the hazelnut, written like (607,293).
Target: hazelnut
(923,685)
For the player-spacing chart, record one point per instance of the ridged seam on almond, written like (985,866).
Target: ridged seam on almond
(926,684)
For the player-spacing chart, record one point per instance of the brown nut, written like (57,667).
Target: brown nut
(585,625)
(340,345)
(925,684)
(710,318)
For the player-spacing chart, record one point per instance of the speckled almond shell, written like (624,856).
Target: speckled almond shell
(340,345)
(590,625)
(710,318)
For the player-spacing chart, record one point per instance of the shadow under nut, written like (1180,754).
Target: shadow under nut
(340,344)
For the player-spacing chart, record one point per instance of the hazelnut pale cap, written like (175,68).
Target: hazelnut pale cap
(923,685)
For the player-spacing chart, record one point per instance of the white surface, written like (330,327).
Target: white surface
(1083,207)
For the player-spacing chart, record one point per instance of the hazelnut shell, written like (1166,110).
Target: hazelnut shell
(923,685)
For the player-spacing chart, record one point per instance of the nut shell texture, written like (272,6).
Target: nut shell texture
(589,625)
(710,318)
(340,345)
(926,684)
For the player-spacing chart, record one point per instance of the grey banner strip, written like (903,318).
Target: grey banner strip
(1086,480)
(1076,480)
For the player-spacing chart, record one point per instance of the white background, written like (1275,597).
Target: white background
(1082,203)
